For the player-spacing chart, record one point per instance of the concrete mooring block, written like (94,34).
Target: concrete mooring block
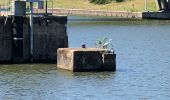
(86,59)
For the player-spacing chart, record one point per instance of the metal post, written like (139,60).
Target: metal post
(10,6)
(0,10)
(6,8)
(169,5)
(31,30)
(158,4)
(52,6)
(145,5)
(46,7)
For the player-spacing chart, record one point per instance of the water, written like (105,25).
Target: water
(143,66)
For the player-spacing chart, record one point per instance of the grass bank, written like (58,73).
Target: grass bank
(129,5)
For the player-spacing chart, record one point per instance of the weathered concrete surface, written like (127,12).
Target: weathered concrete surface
(49,35)
(86,12)
(82,59)
(5,40)
(156,15)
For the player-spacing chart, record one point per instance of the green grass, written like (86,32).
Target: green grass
(84,4)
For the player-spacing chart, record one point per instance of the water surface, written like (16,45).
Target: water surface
(143,66)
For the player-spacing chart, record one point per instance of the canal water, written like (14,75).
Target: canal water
(143,65)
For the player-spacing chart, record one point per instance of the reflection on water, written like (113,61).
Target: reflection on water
(143,66)
(39,81)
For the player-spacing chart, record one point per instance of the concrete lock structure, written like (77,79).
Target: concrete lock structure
(86,59)
(32,38)
(163,4)
(156,15)
(49,34)
(163,14)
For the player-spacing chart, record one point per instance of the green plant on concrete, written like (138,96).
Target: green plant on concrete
(104,43)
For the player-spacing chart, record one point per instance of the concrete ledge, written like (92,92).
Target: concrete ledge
(82,59)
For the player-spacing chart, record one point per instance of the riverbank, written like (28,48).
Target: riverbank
(129,5)
(106,13)
(85,12)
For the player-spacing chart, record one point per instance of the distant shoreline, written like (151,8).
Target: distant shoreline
(86,12)
(129,5)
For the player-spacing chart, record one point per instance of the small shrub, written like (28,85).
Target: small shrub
(104,43)
(100,1)
(119,0)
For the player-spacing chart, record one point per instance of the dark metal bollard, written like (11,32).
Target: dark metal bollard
(83,46)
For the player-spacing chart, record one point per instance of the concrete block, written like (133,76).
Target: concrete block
(86,59)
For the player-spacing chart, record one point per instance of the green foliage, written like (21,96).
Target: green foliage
(104,43)
(119,0)
(133,10)
(104,1)
(100,1)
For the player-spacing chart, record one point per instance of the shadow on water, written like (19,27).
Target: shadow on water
(27,68)
(91,21)
(27,81)
(95,75)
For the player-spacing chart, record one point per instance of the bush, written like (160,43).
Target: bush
(104,1)
(119,0)
(100,1)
